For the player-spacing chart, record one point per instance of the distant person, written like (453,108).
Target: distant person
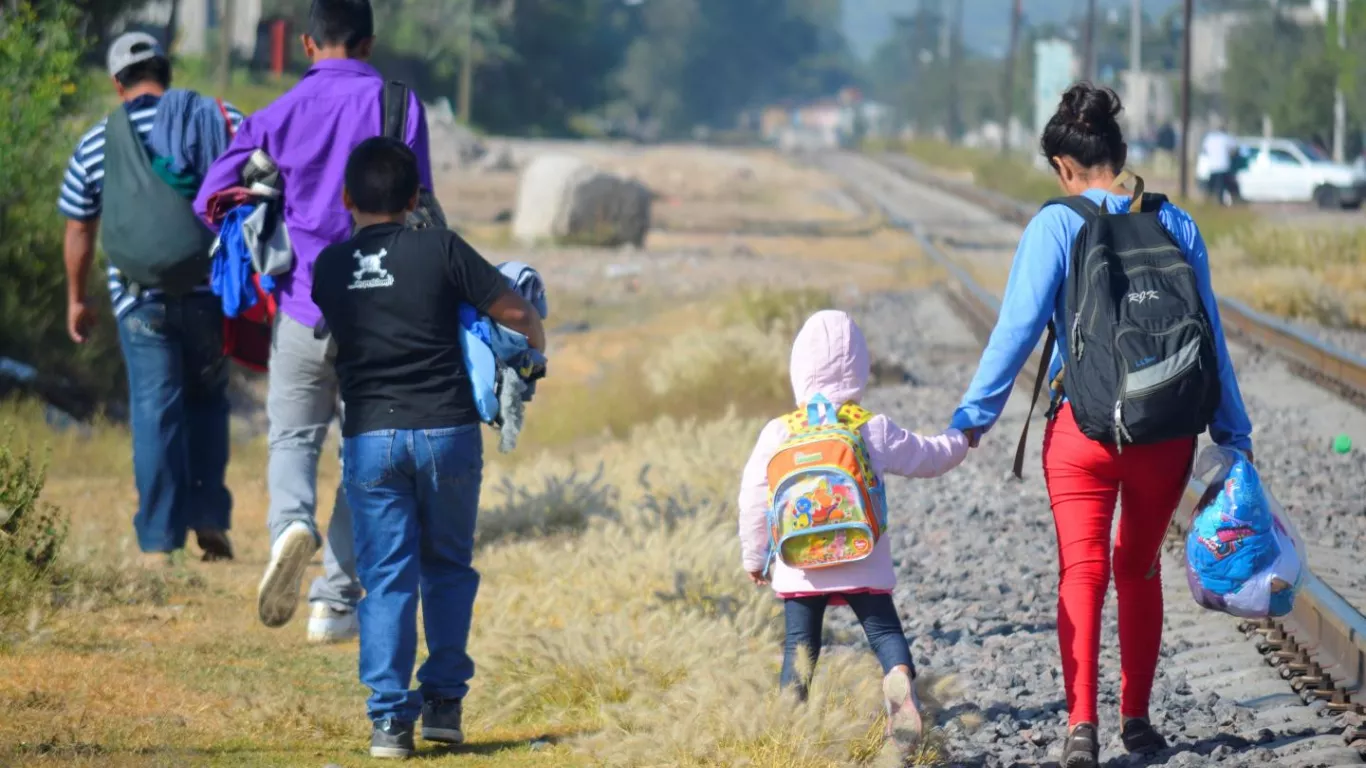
(1220,151)
(1166,138)
(309,132)
(412,451)
(830,368)
(137,195)
(1126,411)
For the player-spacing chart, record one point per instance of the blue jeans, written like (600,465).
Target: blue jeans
(805,617)
(178,406)
(414,495)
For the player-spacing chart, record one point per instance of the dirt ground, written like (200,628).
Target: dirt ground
(177,671)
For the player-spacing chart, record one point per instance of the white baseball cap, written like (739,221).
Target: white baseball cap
(133,48)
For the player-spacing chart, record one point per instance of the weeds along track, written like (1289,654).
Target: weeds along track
(1285,693)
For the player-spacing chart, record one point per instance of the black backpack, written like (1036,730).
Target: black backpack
(1142,365)
(395,120)
(148,230)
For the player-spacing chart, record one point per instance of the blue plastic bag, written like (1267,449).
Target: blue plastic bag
(1243,556)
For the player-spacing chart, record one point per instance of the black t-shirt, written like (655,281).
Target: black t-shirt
(390,297)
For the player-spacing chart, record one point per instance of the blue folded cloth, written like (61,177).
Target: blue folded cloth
(230,275)
(494,354)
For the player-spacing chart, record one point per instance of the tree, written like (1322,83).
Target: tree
(561,62)
(1284,69)
(704,61)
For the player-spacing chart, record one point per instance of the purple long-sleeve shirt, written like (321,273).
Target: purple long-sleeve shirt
(309,132)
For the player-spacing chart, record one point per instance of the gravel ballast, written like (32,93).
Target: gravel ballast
(977,559)
(977,591)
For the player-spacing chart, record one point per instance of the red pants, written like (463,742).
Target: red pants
(1084,480)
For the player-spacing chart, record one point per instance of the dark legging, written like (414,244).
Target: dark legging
(806,616)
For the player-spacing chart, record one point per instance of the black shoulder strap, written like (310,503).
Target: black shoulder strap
(1080,205)
(1044,360)
(395,110)
(1152,202)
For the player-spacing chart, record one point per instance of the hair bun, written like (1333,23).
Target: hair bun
(1089,106)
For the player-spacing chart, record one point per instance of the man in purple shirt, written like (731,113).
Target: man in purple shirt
(310,132)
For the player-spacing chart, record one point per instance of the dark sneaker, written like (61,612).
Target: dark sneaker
(392,739)
(215,543)
(1140,738)
(1082,749)
(441,721)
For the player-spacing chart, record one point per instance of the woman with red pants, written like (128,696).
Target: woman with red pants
(1086,477)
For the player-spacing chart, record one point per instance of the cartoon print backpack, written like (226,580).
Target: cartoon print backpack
(826,505)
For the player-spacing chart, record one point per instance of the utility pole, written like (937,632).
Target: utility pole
(467,65)
(1340,99)
(1136,37)
(1187,13)
(1089,43)
(1008,90)
(955,63)
(225,42)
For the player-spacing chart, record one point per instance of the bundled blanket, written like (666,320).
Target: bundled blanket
(1242,555)
(503,367)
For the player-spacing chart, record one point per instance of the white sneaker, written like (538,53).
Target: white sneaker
(329,625)
(278,595)
(904,725)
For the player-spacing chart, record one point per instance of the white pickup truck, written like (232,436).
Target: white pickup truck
(1292,171)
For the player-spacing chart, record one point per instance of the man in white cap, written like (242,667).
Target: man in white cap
(170,325)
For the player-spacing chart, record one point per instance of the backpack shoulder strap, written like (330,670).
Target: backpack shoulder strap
(854,415)
(794,421)
(227,119)
(1044,360)
(395,110)
(1152,202)
(1078,204)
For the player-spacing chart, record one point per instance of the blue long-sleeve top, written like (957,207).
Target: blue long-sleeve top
(1034,295)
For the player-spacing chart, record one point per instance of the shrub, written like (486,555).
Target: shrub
(39,94)
(31,537)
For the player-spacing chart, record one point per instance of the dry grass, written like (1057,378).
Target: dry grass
(1288,271)
(614,625)
(1317,276)
(1018,179)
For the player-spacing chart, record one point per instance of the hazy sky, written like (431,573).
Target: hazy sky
(986,23)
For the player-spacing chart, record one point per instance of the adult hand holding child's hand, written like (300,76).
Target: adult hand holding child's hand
(974,436)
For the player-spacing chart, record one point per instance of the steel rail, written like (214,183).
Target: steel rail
(1320,647)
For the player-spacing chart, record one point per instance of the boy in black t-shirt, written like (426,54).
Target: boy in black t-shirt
(412,455)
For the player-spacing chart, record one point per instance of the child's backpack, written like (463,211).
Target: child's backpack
(827,507)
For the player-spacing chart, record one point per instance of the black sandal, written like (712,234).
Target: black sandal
(1082,749)
(1140,738)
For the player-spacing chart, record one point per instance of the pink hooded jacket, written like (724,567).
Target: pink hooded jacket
(830,357)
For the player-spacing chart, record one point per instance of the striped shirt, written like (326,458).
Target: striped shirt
(83,184)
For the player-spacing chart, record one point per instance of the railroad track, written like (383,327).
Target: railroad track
(1320,648)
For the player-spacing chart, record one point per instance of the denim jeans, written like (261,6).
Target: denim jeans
(300,403)
(178,407)
(414,495)
(806,616)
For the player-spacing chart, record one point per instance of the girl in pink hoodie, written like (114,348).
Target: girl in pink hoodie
(830,357)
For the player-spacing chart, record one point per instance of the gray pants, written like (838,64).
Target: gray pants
(301,403)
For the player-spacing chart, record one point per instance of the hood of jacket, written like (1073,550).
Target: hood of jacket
(829,357)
